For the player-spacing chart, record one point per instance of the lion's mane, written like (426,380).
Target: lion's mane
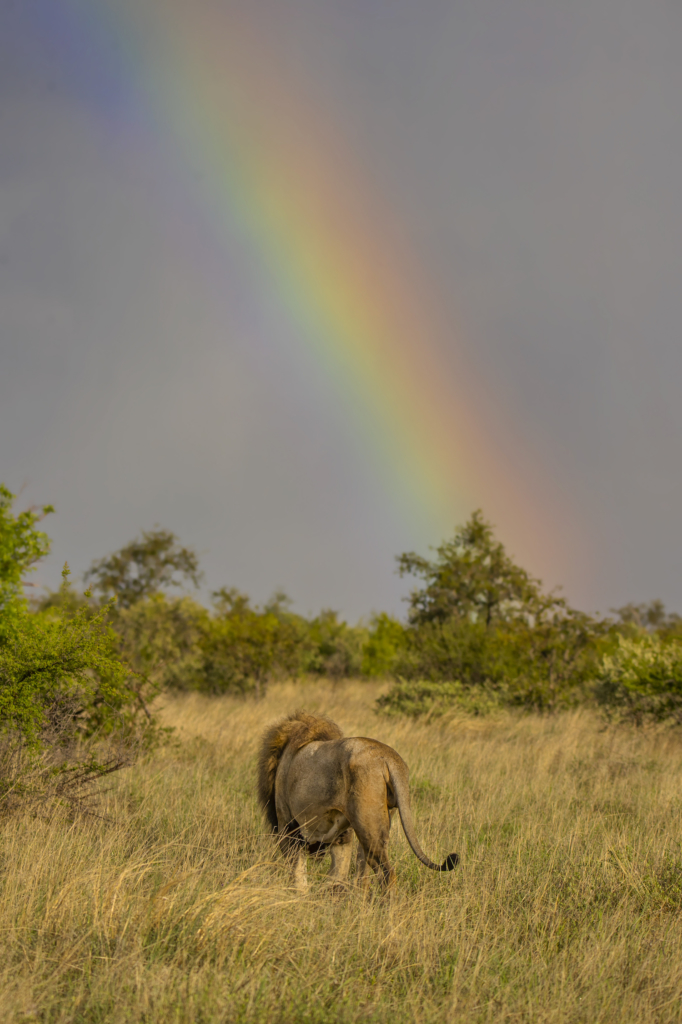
(295,730)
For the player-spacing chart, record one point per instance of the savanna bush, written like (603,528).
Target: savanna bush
(244,647)
(640,679)
(384,644)
(160,638)
(333,648)
(480,622)
(429,698)
(65,693)
(481,633)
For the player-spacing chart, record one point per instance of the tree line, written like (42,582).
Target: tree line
(79,671)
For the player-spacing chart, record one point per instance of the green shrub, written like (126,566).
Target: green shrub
(160,638)
(243,647)
(69,712)
(385,641)
(333,648)
(641,679)
(60,677)
(66,696)
(418,697)
(452,651)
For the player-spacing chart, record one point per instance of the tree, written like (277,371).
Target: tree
(472,578)
(480,620)
(650,616)
(144,567)
(21,546)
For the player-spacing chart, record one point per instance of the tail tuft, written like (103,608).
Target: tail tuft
(450,862)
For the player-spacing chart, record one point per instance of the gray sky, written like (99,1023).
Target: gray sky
(533,153)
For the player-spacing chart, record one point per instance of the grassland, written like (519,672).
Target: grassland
(566,906)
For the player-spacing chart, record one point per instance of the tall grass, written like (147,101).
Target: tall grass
(566,906)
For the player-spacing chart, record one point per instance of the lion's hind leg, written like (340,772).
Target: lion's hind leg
(376,858)
(363,871)
(370,817)
(373,853)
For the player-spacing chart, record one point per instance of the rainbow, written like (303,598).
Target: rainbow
(265,163)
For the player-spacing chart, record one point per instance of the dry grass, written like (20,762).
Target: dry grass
(565,908)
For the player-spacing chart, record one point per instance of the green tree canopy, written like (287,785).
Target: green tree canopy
(481,620)
(651,616)
(472,578)
(144,567)
(21,546)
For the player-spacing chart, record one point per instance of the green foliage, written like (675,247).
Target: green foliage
(651,616)
(555,655)
(417,697)
(482,621)
(455,650)
(160,638)
(385,641)
(63,685)
(68,711)
(144,567)
(335,649)
(60,676)
(481,633)
(243,647)
(641,679)
(544,667)
(472,578)
(21,546)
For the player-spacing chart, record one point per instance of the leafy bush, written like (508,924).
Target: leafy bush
(424,697)
(243,647)
(65,693)
(641,679)
(160,638)
(383,646)
(480,633)
(56,674)
(68,711)
(333,648)
(454,651)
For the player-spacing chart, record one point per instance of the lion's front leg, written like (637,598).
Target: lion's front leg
(299,870)
(293,847)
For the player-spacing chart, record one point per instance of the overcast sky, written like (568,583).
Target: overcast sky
(533,153)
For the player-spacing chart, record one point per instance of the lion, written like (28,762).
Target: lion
(318,787)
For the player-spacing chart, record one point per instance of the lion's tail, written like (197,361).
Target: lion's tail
(398,776)
(297,729)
